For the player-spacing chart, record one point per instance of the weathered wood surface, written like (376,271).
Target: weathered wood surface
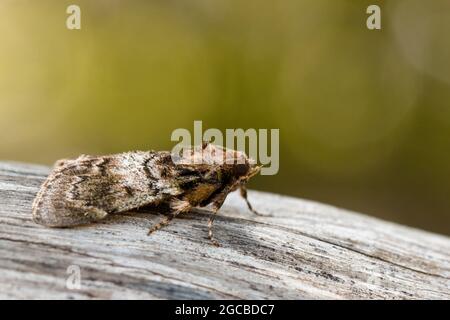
(306,250)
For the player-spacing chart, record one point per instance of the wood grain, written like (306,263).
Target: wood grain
(306,250)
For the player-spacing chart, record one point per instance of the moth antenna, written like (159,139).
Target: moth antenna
(164,222)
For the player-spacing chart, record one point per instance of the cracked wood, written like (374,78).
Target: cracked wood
(305,250)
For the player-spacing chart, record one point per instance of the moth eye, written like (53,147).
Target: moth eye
(241,169)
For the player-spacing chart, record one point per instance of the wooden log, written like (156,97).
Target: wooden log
(306,250)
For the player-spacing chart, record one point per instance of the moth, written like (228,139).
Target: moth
(89,188)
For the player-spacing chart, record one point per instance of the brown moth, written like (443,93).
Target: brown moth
(89,188)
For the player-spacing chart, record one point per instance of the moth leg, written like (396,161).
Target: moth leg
(178,207)
(243,190)
(164,222)
(216,206)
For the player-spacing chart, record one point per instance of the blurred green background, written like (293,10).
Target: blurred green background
(364,116)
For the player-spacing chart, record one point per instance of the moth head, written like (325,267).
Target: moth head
(241,166)
(231,161)
(245,171)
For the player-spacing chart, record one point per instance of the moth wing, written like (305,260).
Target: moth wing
(87,189)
